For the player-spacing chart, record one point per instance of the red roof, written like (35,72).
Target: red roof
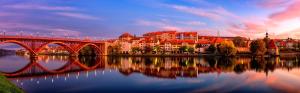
(217,40)
(272,45)
(176,41)
(159,33)
(125,35)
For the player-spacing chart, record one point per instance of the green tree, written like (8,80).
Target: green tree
(156,49)
(183,49)
(191,50)
(227,48)
(135,50)
(258,47)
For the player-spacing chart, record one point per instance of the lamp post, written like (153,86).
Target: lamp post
(4,32)
(21,33)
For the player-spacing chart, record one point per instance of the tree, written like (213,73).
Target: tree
(258,47)
(183,49)
(147,49)
(227,48)
(198,46)
(135,50)
(239,41)
(156,49)
(87,51)
(212,48)
(191,50)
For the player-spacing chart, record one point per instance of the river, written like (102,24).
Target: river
(63,74)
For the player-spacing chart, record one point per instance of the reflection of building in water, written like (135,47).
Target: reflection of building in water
(192,67)
(166,67)
(53,50)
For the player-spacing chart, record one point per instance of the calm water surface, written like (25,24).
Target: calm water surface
(62,74)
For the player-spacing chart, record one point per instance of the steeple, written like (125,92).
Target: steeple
(267,35)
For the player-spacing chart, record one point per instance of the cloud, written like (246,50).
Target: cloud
(271,4)
(247,28)
(31,6)
(192,23)
(6,14)
(197,12)
(149,23)
(32,29)
(293,34)
(77,15)
(291,12)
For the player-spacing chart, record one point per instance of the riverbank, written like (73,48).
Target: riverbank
(199,55)
(173,55)
(7,87)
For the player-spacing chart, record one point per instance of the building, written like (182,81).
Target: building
(167,41)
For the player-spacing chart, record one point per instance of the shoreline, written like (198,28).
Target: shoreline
(201,55)
(7,86)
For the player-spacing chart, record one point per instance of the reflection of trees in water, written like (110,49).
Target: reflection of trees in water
(88,60)
(226,64)
(263,65)
(87,51)
(184,62)
(114,60)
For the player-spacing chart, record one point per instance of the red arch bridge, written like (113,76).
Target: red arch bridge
(34,45)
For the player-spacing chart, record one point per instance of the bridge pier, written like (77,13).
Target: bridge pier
(33,56)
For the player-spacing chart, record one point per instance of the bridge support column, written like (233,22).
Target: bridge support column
(33,56)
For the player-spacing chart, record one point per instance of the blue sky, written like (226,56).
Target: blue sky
(109,18)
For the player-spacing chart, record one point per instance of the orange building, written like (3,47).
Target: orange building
(169,41)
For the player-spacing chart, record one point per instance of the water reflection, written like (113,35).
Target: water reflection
(164,67)
(201,74)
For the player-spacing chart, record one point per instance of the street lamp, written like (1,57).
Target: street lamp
(4,31)
(21,33)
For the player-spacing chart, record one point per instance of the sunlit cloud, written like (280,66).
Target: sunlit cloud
(291,12)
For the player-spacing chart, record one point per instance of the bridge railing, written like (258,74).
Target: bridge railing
(50,38)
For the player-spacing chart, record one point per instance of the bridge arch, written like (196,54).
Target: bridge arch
(65,46)
(97,48)
(32,52)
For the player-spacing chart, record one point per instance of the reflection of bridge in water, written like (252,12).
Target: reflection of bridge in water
(34,68)
(161,67)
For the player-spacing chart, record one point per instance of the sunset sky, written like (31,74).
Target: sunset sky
(109,18)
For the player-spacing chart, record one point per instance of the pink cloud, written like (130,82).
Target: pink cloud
(292,11)
(216,13)
(270,4)
(77,15)
(246,28)
(292,34)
